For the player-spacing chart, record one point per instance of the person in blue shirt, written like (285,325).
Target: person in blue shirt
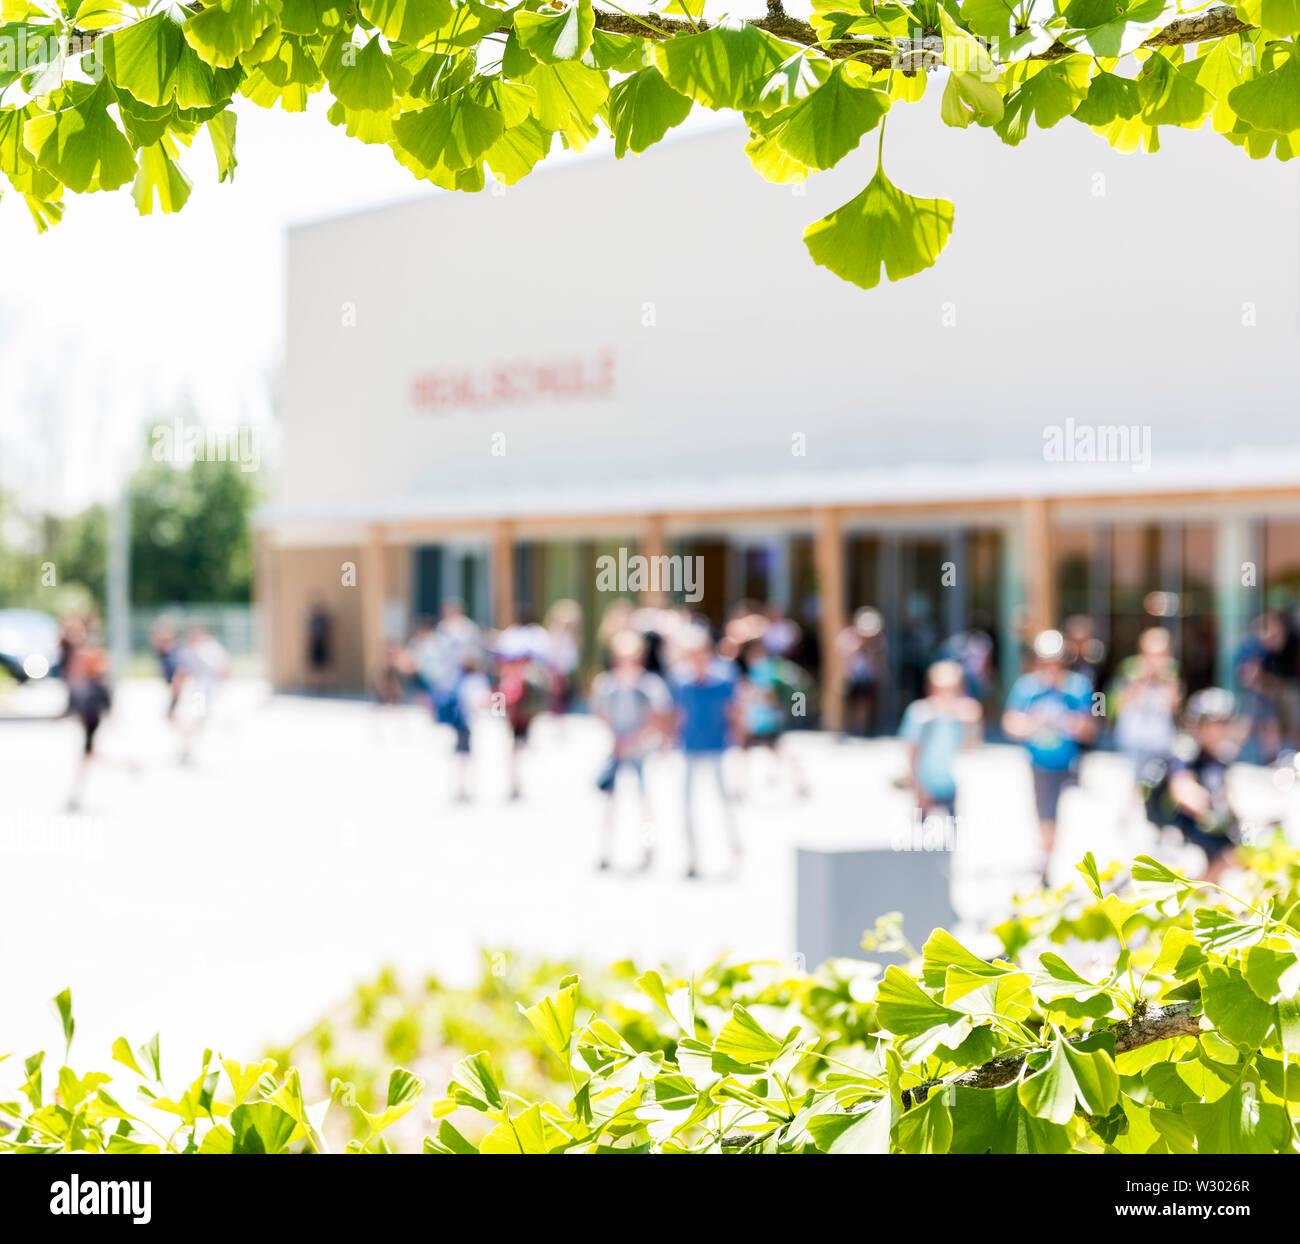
(936,729)
(1049,710)
(704,691)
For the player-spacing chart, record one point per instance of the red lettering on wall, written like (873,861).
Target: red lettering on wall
(580,377)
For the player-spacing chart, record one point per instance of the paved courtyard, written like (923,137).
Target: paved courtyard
(232,900)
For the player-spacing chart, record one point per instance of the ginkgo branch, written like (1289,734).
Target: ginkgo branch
(907,54)
(1154,1024)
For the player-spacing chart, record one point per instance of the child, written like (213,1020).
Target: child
(1146,698)
(1048,711)
(936,729)
(1194,796)
(635,705)
(86,671)
(390,686)
(472,693)
(163,641)
(704,689)
(522,688)
(200,665)
(763,699)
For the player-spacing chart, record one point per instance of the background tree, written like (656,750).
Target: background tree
(72,547)
(189,543)
(189,533)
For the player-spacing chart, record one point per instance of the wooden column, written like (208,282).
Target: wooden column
(503,574)
(829,554)
(654,543)
(268,614)
(1040,582)
(374,591)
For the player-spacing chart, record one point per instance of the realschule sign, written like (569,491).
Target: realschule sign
(518,383)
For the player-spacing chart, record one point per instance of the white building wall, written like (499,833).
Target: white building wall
(1123,306)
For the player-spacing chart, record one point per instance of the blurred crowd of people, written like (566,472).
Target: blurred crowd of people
(191,667)
(663,678)
(1180,746)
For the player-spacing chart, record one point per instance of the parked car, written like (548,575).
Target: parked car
(29,644)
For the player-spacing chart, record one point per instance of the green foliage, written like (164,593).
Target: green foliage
(1144,1013)
(189,533)
(76,546)
(189,542)
(116,95)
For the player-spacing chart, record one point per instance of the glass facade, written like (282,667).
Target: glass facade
(929,587)
(1126,577)
(931,584)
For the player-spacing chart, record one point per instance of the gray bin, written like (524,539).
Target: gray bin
(841,893)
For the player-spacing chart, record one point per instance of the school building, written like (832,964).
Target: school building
(1089,405)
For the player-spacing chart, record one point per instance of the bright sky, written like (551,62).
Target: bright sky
(111,320)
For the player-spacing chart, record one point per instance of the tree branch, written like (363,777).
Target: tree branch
(909,55)
(1154,1024)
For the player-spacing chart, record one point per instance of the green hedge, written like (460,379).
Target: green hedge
(1133,1011)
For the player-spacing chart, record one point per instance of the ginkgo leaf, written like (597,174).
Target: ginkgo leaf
(454,134)
(967,98)
(569,95)
(1111,28)
(1271,101)
(221,130)
(404,1089)
(81,146)
(723,67)
(1238,1122)
(101,14)
(622,53)
(407,21)
(774,164)
(1050,1093)
(992,18)
(366,127)
(744,1039)
(942,951)
(144,58)
(552,1018)
(1047,95)
(642,109)
(222,32)
(161,177)
(1170,97)
(551,37)
(1109,97)
(864,1132)
(1233,1007)
(367,79)
(1279,17)
(198,84)
(1096,1081)
(794,80)
(881,227)
(292,65)
(514,155)
(470,22)
(1273,970)
(926,1128)
(995,1121)
(821,129)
